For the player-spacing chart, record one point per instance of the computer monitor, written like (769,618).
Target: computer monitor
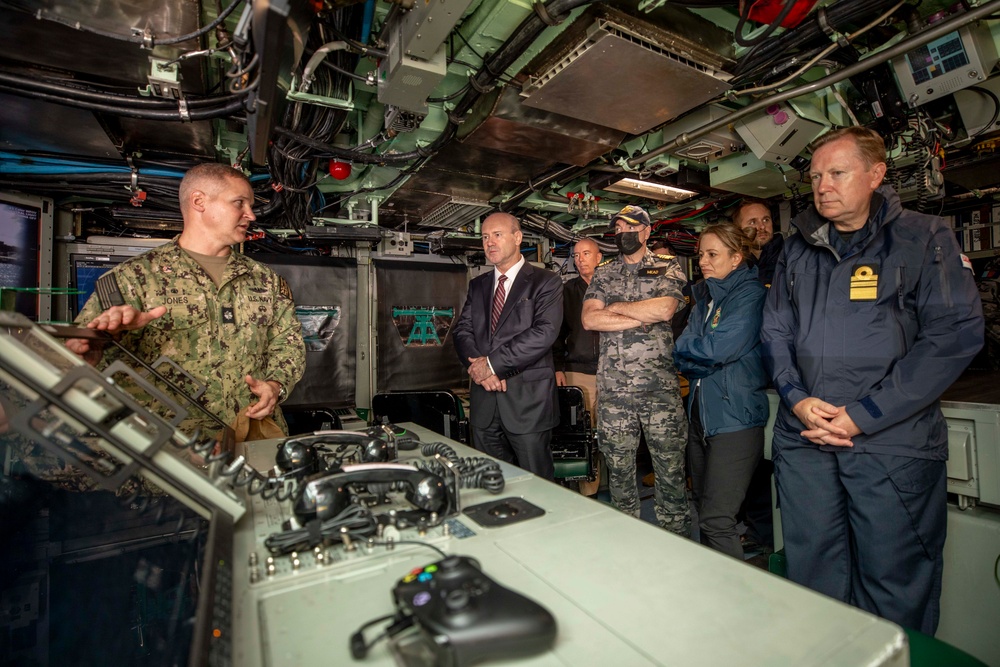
(69,409)
(26,232)
(84,270)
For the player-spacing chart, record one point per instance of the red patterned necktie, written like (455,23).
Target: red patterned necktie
(498,298)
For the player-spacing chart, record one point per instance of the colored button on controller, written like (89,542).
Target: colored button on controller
(421,598)
(426,576)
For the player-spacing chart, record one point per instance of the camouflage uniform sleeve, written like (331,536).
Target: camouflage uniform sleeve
(674,281)
(286,351)
(596,288)
(93,308)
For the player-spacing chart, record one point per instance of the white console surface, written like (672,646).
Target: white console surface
(623,591)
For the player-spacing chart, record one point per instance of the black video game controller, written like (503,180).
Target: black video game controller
(468,617)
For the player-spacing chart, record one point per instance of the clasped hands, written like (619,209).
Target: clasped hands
(481,374)
(826,424)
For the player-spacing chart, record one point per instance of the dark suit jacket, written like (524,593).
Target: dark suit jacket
(520,350)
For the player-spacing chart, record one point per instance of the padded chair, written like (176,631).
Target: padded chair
(308,420)
(439,411)
(574,441)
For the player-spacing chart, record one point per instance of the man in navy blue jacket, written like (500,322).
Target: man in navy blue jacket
(872,314)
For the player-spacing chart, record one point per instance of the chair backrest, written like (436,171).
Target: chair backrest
(308,420)
(439,411)
(573,415)
(573,446)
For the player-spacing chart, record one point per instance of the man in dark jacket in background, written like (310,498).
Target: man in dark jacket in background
(872,314)
(756,512)
(756,213)
(576,350)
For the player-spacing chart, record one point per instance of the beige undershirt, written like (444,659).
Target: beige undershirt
(213,265)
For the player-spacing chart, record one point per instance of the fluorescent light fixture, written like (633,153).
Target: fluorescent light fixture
(657,191)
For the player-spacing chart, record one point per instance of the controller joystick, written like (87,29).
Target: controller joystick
(467,617)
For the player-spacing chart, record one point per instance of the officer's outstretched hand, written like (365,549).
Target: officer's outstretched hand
(267,391)
(125,318)
(113,320)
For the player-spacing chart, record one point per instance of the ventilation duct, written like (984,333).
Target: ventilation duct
(511,127)
(456,214)
(620,77)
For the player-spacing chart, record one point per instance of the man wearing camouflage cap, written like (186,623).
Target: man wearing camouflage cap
(631,301)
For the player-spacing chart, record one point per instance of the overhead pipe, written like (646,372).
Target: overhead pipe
(904,47)
(192,114)
(513,200)
(43,85)
(366,23)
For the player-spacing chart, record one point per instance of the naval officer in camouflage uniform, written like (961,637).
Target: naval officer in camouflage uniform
(228,320)
(631,301)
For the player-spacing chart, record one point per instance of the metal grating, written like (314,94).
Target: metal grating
(456,214)
(620,32)
(622,80)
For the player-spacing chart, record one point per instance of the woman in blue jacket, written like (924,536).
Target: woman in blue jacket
(719,354)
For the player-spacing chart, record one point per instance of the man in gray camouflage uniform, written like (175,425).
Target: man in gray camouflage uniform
(631,301)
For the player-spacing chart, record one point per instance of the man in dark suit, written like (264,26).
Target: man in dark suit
(504,338)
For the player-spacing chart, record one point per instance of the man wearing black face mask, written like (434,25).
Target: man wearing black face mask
(631,301)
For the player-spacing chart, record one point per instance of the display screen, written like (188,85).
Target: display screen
(19,252)
(939,57)
(84,272)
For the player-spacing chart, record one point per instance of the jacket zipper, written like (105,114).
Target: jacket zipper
(897,314)
(939,260)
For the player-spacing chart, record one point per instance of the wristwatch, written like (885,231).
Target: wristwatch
(282,392)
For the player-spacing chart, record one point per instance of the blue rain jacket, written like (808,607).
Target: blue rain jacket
(883,329)
(723,351)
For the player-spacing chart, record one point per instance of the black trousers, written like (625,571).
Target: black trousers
(757,512)
(721,466)
(531,451)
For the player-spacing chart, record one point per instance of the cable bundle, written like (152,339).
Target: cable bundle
(475,472)
(778,49)
(357,519)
